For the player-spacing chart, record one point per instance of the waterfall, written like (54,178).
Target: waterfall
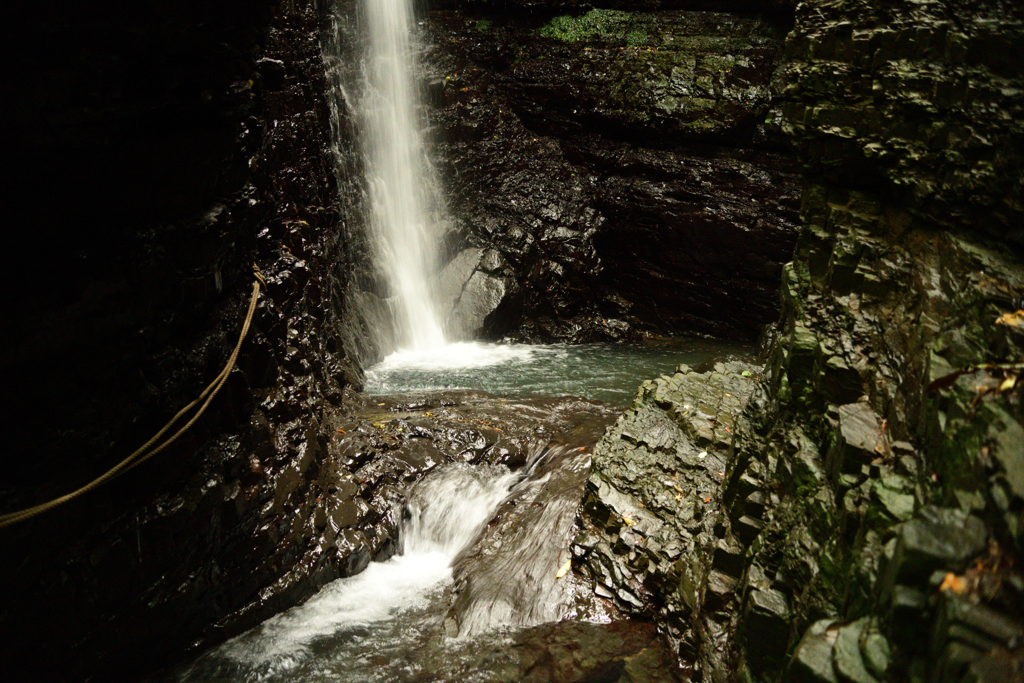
(403,196)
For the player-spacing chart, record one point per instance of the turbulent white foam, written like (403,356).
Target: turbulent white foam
(448,509)
(461,355)
(446,512)
(282,642)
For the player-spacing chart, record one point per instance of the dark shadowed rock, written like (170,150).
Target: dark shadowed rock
(160,153)
(812,660)
(614,161)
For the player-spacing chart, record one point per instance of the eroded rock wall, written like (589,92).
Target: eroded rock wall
(612,165)
(870,517)
(158,154)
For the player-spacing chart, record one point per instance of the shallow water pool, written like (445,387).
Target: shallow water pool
(609,373)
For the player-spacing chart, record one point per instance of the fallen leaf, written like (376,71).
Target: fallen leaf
(342,431)
(954,583)
(1015,319)
(628,520)
(1008,383)
(564,568)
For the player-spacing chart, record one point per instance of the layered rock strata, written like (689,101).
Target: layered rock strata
(870,521)
(613,167)
(162,153)
(652,536)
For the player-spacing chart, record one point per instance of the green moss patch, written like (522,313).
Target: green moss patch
(599,23)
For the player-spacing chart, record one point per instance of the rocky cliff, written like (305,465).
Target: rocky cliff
(156,155)
(612,167)
(866,519)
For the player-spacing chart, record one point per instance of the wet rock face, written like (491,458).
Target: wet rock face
(868,526)
(470,289)
(559,652)
(887,453)
(599,153)
(922,100)
(637,5)
(173,148)
(652,540)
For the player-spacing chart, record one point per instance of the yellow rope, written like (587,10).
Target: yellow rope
(145,452)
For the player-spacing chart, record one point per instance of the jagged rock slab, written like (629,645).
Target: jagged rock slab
(657,482)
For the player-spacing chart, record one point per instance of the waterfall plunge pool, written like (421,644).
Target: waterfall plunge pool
(609,373)
(388,623)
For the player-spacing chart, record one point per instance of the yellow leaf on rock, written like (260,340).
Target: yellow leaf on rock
(954,583)
(1015,319)
(564,568)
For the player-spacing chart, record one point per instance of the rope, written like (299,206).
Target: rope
(148,450)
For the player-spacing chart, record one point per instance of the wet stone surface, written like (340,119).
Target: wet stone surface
(600,161)
(656,488)
(559,652)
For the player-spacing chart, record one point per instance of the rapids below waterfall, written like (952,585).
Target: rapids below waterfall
(387,624)
(475,593)
(362,628)
(602,372)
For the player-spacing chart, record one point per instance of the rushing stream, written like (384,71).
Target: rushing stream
(374,626)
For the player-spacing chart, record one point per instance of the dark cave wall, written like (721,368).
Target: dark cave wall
(132,130)
(155,155)
(907,119)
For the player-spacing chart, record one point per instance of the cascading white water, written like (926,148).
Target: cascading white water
(403,195)
(445,512)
